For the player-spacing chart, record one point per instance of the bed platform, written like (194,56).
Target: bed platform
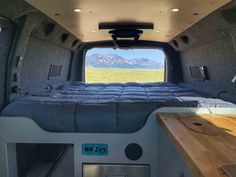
(24,130)
(104,108)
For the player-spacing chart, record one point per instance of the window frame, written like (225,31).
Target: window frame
(173,66)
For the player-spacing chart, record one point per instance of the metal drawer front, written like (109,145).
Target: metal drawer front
(97,170)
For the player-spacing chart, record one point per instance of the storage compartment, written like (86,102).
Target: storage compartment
(41,160)
(107,170)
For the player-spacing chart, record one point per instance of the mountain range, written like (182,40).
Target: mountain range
(115,61)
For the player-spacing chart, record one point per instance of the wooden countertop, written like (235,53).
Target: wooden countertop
(205,141)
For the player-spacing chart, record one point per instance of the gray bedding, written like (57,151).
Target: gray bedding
(123,108)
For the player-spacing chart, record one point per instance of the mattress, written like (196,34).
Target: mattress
(104,108)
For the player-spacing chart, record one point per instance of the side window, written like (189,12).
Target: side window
(106,65)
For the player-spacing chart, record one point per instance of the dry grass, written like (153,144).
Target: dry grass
(106,75)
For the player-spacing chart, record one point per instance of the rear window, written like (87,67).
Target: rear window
(106,65)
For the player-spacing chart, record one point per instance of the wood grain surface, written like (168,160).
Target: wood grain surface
(205,141)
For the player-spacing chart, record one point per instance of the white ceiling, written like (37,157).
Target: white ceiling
(84,25)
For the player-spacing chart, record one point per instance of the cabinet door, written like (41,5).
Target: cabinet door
(170,162)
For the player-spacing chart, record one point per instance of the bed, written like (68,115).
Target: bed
(104,108)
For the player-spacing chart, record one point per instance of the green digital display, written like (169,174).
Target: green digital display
(95,149)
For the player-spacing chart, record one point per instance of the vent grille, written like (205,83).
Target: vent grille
(198,73)
(55,71)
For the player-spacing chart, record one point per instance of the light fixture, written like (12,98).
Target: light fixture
(175,10)
(157,31)
(160,12)
(93,31)
(91,12)
(77,10)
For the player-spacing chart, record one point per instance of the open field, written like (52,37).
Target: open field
(106,75)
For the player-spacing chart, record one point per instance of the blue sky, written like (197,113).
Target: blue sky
(153,54)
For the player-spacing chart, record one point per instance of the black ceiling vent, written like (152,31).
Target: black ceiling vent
(176,44)
(64,37)
(49,28)
(185,39)
(75,43)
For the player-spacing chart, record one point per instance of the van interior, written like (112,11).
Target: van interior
(134,88)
